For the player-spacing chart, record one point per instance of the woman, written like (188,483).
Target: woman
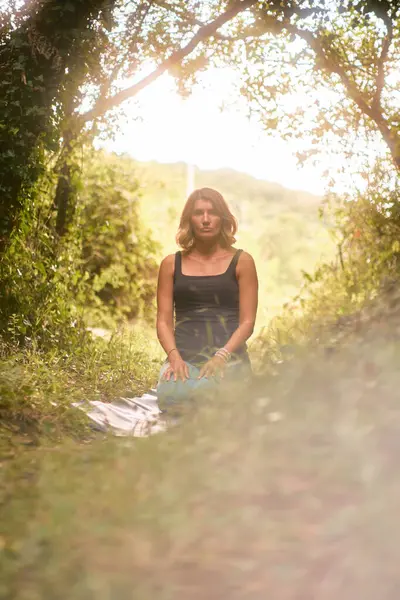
(212,289)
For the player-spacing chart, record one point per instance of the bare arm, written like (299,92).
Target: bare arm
(165,319)
(248,301)
(165,310)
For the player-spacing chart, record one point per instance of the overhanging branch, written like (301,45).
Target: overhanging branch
(186,16)
(143,13)
(202,34)
(330,60)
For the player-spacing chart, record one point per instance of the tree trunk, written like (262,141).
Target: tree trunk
(33,66)
(66,191)
(392,139)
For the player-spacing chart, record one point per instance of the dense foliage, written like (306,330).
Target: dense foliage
(64,67)
(104,270)
(46,50)
(337,296)
(118,252)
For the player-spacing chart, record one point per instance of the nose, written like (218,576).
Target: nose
(206,219)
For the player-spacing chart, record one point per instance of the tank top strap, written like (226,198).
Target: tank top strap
(234,262)
(178,264)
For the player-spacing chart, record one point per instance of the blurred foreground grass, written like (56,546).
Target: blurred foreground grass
(288,491)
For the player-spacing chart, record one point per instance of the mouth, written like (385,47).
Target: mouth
(205,229)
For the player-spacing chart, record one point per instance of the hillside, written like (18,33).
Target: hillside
(280,227)
(249,198)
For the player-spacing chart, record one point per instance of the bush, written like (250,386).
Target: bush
(367,233)
(103,270)
(41,282)
(118,252)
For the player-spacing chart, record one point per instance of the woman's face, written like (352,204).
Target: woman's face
(205,220)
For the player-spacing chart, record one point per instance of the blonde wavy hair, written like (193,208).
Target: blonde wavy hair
(185,238)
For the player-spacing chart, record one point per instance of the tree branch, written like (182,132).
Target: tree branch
(332,63)
(182,14)
(330,60)
(380,77)
(202,34)
(192,20)
(117,68)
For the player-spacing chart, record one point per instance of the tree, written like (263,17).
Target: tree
(35,57)
(64,68)
(46,62)
(342,57)
(346,47)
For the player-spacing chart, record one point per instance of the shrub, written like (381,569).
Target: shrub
(367,233)
(101,271)
(118,252)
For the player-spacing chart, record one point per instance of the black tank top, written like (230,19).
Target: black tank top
(206,311)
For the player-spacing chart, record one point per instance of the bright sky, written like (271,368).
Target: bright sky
(195,130)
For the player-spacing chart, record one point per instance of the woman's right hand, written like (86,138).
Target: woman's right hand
(177,368)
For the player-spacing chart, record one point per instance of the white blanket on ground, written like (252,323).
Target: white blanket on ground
(139,417)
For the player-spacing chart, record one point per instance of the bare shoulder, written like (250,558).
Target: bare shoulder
(168,261)
(245,257)
(167,266)
(246,268)
(246,260)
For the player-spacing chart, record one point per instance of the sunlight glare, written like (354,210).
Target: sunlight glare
(210,129)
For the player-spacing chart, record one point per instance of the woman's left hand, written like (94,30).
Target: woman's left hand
(215,366)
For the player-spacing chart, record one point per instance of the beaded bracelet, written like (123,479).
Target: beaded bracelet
(223,353)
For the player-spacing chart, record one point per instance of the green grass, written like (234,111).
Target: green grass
(37,388)
(288,490)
